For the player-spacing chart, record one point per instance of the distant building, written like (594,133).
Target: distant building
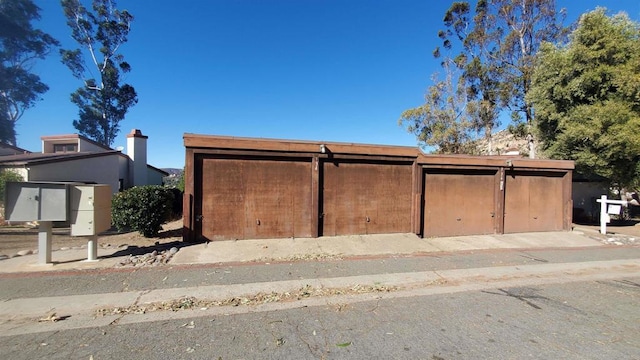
(75,158)
(6,149)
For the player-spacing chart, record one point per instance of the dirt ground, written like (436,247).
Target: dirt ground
(17,238)
(628,227)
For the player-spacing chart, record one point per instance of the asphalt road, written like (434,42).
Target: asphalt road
(579,320)
(553,319)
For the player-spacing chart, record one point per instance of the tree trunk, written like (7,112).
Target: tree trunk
(532,146)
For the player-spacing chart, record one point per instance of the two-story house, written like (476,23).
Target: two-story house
(75,158)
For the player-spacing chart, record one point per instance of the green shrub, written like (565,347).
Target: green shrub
(142,208)
(5,177)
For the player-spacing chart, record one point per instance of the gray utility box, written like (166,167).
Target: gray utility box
(86,207)
(36,201)
(90,209)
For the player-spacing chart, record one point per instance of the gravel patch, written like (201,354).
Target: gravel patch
(153,258)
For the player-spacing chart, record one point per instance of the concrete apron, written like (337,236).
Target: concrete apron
(293,249)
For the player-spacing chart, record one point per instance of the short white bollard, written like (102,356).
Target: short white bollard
(92,249)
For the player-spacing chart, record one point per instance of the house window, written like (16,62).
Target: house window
(64,148)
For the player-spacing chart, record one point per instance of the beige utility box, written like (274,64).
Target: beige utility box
(90,207)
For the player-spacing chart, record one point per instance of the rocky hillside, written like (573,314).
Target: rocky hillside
(173,171)
(503,143)
(174,177)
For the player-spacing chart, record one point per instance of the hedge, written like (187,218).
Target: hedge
(142,208)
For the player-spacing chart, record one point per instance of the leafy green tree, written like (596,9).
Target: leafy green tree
(496,46)
(103,101)
(20,46)
(479,72)
(443,120)
(587,98)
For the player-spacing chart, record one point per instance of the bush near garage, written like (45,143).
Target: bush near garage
(142,208)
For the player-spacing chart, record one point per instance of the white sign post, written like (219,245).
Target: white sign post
(608,207)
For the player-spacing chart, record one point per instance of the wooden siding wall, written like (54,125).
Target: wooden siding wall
(281,189)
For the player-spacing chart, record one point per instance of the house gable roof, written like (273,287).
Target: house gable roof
(164,173)
(13,149)
(48,158)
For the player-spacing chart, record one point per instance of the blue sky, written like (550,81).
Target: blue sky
(326,70)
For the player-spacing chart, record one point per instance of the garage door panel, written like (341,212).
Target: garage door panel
(516,207)
(221,199)
(267,214)
(366,198)
(482,199)
(459,203)
(255,198)
(345,195)
(533,201)
(547,203)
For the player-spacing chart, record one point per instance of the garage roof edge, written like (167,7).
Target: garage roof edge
(495,161)
(199,141)
(244,143)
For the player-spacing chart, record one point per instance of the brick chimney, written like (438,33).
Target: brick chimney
(137,151)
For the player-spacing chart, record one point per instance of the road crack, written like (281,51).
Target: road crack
(523,298)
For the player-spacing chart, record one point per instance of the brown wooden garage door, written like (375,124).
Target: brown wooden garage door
(533,201)
(255,198)
(460,202)
(365,198)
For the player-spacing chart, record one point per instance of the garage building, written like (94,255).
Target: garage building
(248,188)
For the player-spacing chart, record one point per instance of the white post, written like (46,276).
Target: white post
(603,214)
(92,249)
(44,243)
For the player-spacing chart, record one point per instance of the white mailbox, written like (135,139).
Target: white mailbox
(90,209)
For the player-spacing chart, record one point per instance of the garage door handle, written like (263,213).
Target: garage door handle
(493,214)
(458,219)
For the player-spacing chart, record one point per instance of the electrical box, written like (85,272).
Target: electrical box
(36,201)
(90,209)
